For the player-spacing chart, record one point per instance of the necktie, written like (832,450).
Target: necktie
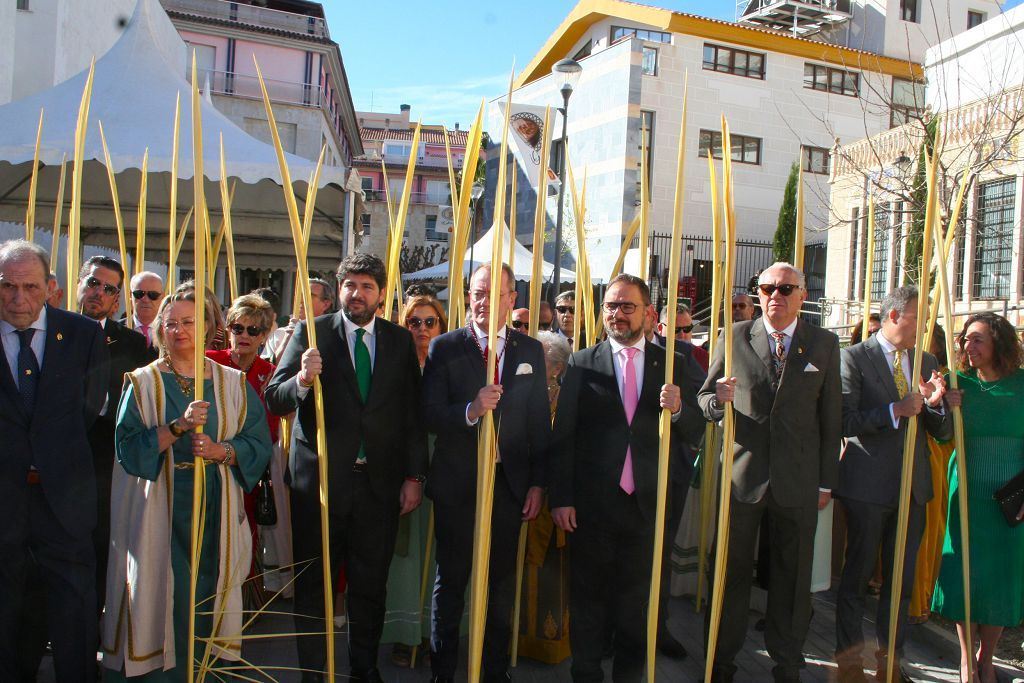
(363,376)
(779,359)
(897,375)
(28,370)
(497,362)
(145,332)
(630,398)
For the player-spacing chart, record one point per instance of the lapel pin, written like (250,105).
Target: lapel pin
(109,340)
(799,349)
(655,363)
(60,337)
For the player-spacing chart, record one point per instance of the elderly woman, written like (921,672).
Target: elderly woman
(146,620)
(248,323)
(406,623)
(544,620)
(989,359)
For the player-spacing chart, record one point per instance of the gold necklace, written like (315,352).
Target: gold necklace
(186,384)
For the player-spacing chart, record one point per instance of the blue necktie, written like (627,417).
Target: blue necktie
(28,370)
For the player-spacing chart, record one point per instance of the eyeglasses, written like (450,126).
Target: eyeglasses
(685,329)
(185,324)
(626,307)
(565,309)
(251,330)
(415,323)
(785,290)
(480,295)
(517,324)
(151,295)
(544,327)
(109,290)
(741,306)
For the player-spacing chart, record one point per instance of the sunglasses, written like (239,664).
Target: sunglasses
(151,295)
(109,290)
(544,327)
(626,307)
(415,323)
(686,329)
(519,324)
(565,309)
(785,290)
(251,330)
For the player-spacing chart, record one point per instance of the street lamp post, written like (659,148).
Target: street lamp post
(475,193)
(567,74)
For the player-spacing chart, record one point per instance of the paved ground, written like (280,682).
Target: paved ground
(931,654)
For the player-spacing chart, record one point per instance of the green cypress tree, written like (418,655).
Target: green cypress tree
(918,199)
(785,231)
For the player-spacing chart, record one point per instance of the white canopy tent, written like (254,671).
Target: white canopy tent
(481,252)
(135,87)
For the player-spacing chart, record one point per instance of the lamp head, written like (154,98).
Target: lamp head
(567,75)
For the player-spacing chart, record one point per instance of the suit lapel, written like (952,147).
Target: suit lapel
(798,349)
(510,359)
(52,356)
(476,359)
(881,365)
(345,366)
(7,381)
(654,375)
(758,340)
(383,360)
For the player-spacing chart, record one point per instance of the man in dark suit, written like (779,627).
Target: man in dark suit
(377,454)
(880,392)
(456,394)
(99,290)
(604,476)
(53,381)
(787,399)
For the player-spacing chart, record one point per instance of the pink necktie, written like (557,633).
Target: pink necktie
(629,401)
(145,333)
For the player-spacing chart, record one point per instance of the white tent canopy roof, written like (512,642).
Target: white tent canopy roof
(523,266)
(134,90)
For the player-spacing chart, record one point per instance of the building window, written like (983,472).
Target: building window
(993,239)
(367,184)
(961,252)
(620,32)
(364,222)
(974,18)
(899,247)
(745,149)
(908,10)
(816,160)
(649,63)
(880,264)
(729,60)
(856,255)
(584,51)
(907,102)
(22,5)
(647,128)
(432,233)
(827,79)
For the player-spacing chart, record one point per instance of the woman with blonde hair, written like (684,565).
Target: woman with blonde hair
(146,620)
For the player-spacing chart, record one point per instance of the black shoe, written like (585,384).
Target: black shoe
(899,675)
(368,676)
(670,647)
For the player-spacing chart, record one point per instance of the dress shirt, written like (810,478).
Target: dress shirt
(102,322)
(787,341)
(619,360)
(12,343)
(499,341)
(890,359)
(370,339)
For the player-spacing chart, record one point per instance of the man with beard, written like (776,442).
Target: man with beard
(377,458)
(99,295)
(604,477)
(456,394)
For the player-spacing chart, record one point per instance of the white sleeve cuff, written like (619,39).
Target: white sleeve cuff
(301,391)
(470,423)
(892,416)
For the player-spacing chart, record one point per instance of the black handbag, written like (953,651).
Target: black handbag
(266,508)
(1010,497)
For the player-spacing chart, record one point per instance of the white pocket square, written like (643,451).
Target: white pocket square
(810,368)
(524,369)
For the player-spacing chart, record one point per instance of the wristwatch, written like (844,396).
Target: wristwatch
(229,453)
(176,431)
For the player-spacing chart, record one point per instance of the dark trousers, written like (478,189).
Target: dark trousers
(610,583)
(66,566)
(453,528)
(363,529)
(677,501)
(789,584)
(868,527)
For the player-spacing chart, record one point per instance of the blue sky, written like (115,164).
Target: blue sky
(444,55)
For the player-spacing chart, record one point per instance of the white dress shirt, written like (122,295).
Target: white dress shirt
(370,339)
(619,362)
(499,341)
(12,343)
(890,358)
(787,341)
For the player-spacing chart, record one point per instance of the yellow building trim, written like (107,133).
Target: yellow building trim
(586,13)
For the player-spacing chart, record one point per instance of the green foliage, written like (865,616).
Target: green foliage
(918,201)
(785,231)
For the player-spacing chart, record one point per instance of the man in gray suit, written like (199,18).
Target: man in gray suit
(878,378)
(787,401)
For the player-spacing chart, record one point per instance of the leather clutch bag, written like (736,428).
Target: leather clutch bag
(1010,497)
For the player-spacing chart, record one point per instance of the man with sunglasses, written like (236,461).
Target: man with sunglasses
(147,290)
(565,308)
(604,472)
(684,334)
(742,308)
(546,317)
(786,394)
(521,320)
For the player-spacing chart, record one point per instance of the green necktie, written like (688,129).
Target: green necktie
(363,375)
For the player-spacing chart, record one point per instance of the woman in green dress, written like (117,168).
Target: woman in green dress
(146,620)
(992,382)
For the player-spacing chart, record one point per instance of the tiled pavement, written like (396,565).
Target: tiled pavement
(931,655)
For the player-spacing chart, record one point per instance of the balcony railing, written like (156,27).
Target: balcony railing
(238,85)
(414,197)
(251,15)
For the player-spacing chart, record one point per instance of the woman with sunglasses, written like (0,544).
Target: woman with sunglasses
(405,623)
(248,323)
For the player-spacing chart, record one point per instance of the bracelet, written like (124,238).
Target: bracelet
(303,384)
(229,453)
(176,431)
(419,479)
